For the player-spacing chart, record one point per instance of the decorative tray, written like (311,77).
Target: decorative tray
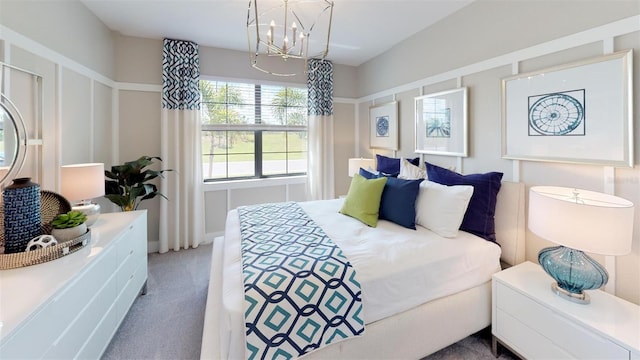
(51,204)
(39,256)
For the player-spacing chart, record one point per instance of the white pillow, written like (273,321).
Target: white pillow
(408,171)
(440,208)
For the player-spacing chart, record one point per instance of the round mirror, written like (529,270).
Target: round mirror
(13,140)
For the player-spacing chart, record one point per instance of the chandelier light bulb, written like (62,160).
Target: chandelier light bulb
(301,44)
(294,29)
(272,26)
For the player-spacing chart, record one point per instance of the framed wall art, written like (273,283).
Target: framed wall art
(441,123)
(383,121)
(575,113)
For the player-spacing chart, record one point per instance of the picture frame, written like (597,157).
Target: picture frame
(383,120)
(441,126)
(580,112)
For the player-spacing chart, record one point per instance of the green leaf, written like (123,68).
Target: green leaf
(128,184)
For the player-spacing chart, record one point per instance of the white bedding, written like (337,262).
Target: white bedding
(398,268)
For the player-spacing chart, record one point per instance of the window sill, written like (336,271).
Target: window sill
(253,183)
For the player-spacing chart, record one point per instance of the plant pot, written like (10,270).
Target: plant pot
(67,234)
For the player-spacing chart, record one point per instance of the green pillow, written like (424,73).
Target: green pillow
(363,199)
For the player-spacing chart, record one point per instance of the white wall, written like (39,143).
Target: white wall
(477,47)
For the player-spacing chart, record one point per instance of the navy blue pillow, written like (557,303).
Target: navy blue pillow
(479,219)
(398,202)
(389,165)
(368,175)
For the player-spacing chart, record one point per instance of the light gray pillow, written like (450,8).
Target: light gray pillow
(408,171)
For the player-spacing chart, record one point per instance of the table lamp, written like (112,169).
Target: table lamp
(356,163)
(579,221)
(81,183)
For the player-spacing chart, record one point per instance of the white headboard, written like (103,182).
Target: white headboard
(510,222)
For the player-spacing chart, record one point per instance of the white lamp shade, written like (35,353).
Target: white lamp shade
(580,219)
(356,163)
(82,181)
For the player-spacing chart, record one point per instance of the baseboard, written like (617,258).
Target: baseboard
(153,246)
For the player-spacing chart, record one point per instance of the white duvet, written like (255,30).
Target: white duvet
(398,268)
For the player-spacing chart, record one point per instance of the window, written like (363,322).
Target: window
(253,131)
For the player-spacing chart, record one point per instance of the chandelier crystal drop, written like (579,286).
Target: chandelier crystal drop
(281,29)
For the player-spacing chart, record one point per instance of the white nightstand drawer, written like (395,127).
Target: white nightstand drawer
(535,346)
(577,341)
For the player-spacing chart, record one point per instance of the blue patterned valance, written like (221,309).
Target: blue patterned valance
(180,75)
(320,87)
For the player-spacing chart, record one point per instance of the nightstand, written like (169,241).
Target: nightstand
(529,319)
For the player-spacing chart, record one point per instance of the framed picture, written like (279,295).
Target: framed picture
(575,113)
(441,123)
(384,126)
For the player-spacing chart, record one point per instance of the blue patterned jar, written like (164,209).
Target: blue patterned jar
(22,219)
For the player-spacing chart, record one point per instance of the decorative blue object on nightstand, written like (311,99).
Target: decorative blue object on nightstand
(573,271)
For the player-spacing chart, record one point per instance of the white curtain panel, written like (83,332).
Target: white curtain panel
(320,172)
(182,216)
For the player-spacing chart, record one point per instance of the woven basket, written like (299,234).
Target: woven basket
(34,257)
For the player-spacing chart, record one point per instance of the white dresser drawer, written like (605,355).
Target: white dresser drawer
(86,319)
(132,286)
(124,246)
(127,268)
(577,341)
(44,326)
(96,345)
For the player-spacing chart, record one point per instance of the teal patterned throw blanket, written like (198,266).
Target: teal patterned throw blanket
(300,291)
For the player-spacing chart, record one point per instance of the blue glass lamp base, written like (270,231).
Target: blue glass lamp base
(580,298)
(574,272)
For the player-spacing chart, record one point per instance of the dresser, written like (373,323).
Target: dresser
(72,306)
(531,320)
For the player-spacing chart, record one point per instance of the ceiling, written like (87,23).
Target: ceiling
(362,29)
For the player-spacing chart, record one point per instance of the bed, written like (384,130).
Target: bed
(413,326)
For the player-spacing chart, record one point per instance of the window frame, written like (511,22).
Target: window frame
(258,130)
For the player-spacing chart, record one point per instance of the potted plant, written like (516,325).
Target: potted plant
(69,225)
(127,185)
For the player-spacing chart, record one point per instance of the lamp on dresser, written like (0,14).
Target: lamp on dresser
(579,221)
(356,163)
(80,184)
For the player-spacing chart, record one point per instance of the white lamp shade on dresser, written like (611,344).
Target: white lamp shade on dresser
(356,163)
(82,181)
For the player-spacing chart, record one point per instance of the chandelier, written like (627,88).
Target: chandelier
(283,29)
